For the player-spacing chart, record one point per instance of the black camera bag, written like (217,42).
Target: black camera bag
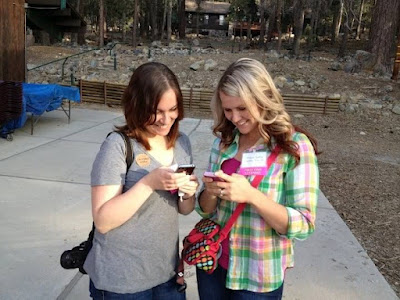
(75,258)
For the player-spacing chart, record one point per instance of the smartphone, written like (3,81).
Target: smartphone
(213,176)
(188,169)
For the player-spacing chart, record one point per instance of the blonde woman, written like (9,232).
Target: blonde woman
(250,122)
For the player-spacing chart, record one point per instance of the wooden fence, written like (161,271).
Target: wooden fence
(199,99)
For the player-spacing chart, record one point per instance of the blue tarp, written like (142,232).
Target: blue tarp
(38,98)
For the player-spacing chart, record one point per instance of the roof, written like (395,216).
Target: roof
(44,2)
(208,7)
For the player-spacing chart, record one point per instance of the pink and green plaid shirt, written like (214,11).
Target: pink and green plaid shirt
(258,255)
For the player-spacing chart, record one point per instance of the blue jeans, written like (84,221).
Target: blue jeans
(212,287)
(164,291)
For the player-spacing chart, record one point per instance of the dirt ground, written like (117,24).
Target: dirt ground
(360,160)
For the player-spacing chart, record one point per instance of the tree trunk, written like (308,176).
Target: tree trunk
(343,44)
(360,15)
(81,33)
(169,21)
(298,26)
(153,17)
(164,19)
(135,21)
(197,23)
(101,23)
(262,23)
(385,19)
(182,19)
(279,24)
(249,21)
(337,19)
(271,23)
(74,35)
(123,26)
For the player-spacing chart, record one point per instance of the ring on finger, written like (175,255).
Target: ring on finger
(221,192)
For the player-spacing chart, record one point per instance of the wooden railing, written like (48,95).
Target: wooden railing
(199,99)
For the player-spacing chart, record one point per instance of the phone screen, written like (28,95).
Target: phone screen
(188,169)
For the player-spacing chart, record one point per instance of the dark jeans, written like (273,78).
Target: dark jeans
(212,287)
(164,291)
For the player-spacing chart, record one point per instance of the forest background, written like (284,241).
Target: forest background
(375,21)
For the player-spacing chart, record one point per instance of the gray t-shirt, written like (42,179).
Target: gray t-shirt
(142,252)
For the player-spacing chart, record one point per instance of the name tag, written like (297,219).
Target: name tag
(253,163)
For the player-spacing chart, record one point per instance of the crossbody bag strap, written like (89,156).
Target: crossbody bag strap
(240,207)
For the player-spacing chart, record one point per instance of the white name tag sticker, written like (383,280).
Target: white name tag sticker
(253,163)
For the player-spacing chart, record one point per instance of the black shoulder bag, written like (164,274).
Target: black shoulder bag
(75,258)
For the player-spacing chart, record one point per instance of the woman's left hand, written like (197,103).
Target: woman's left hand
(235,187)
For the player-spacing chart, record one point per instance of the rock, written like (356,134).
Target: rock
(197,65)
(365,59)
(352,66)
(388,89)
(362,133)
(280,81)
(156,44)
(300,82)
(93,63)
(210,65)
(396,109)
(351,108)
(335,66)
(313,84)
(196,43)
(299,116)
(370,105)
(52,71)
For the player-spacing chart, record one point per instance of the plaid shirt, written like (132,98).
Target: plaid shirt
(258,255)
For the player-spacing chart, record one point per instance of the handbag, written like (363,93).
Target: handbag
(202,247)
(75,258)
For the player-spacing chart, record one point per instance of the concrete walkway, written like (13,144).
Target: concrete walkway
(45,209)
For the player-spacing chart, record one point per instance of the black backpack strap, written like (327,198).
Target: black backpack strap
(128,147)
(129,161)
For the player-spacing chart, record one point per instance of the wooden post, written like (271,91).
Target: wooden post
(105,92)
(396,65)
(190,99)
(325,104)
(80,88)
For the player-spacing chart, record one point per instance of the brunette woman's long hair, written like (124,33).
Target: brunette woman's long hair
(141,97)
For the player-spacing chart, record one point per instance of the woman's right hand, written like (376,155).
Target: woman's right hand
(164,178)
(211,186)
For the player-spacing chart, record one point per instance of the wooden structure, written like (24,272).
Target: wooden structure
(255,28)
(12,40)
(396,66)
(212,15)
(199,99)
(54,16)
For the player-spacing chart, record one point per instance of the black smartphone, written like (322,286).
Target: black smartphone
(188,169)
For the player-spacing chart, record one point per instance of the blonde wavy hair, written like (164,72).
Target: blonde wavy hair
(249,80)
